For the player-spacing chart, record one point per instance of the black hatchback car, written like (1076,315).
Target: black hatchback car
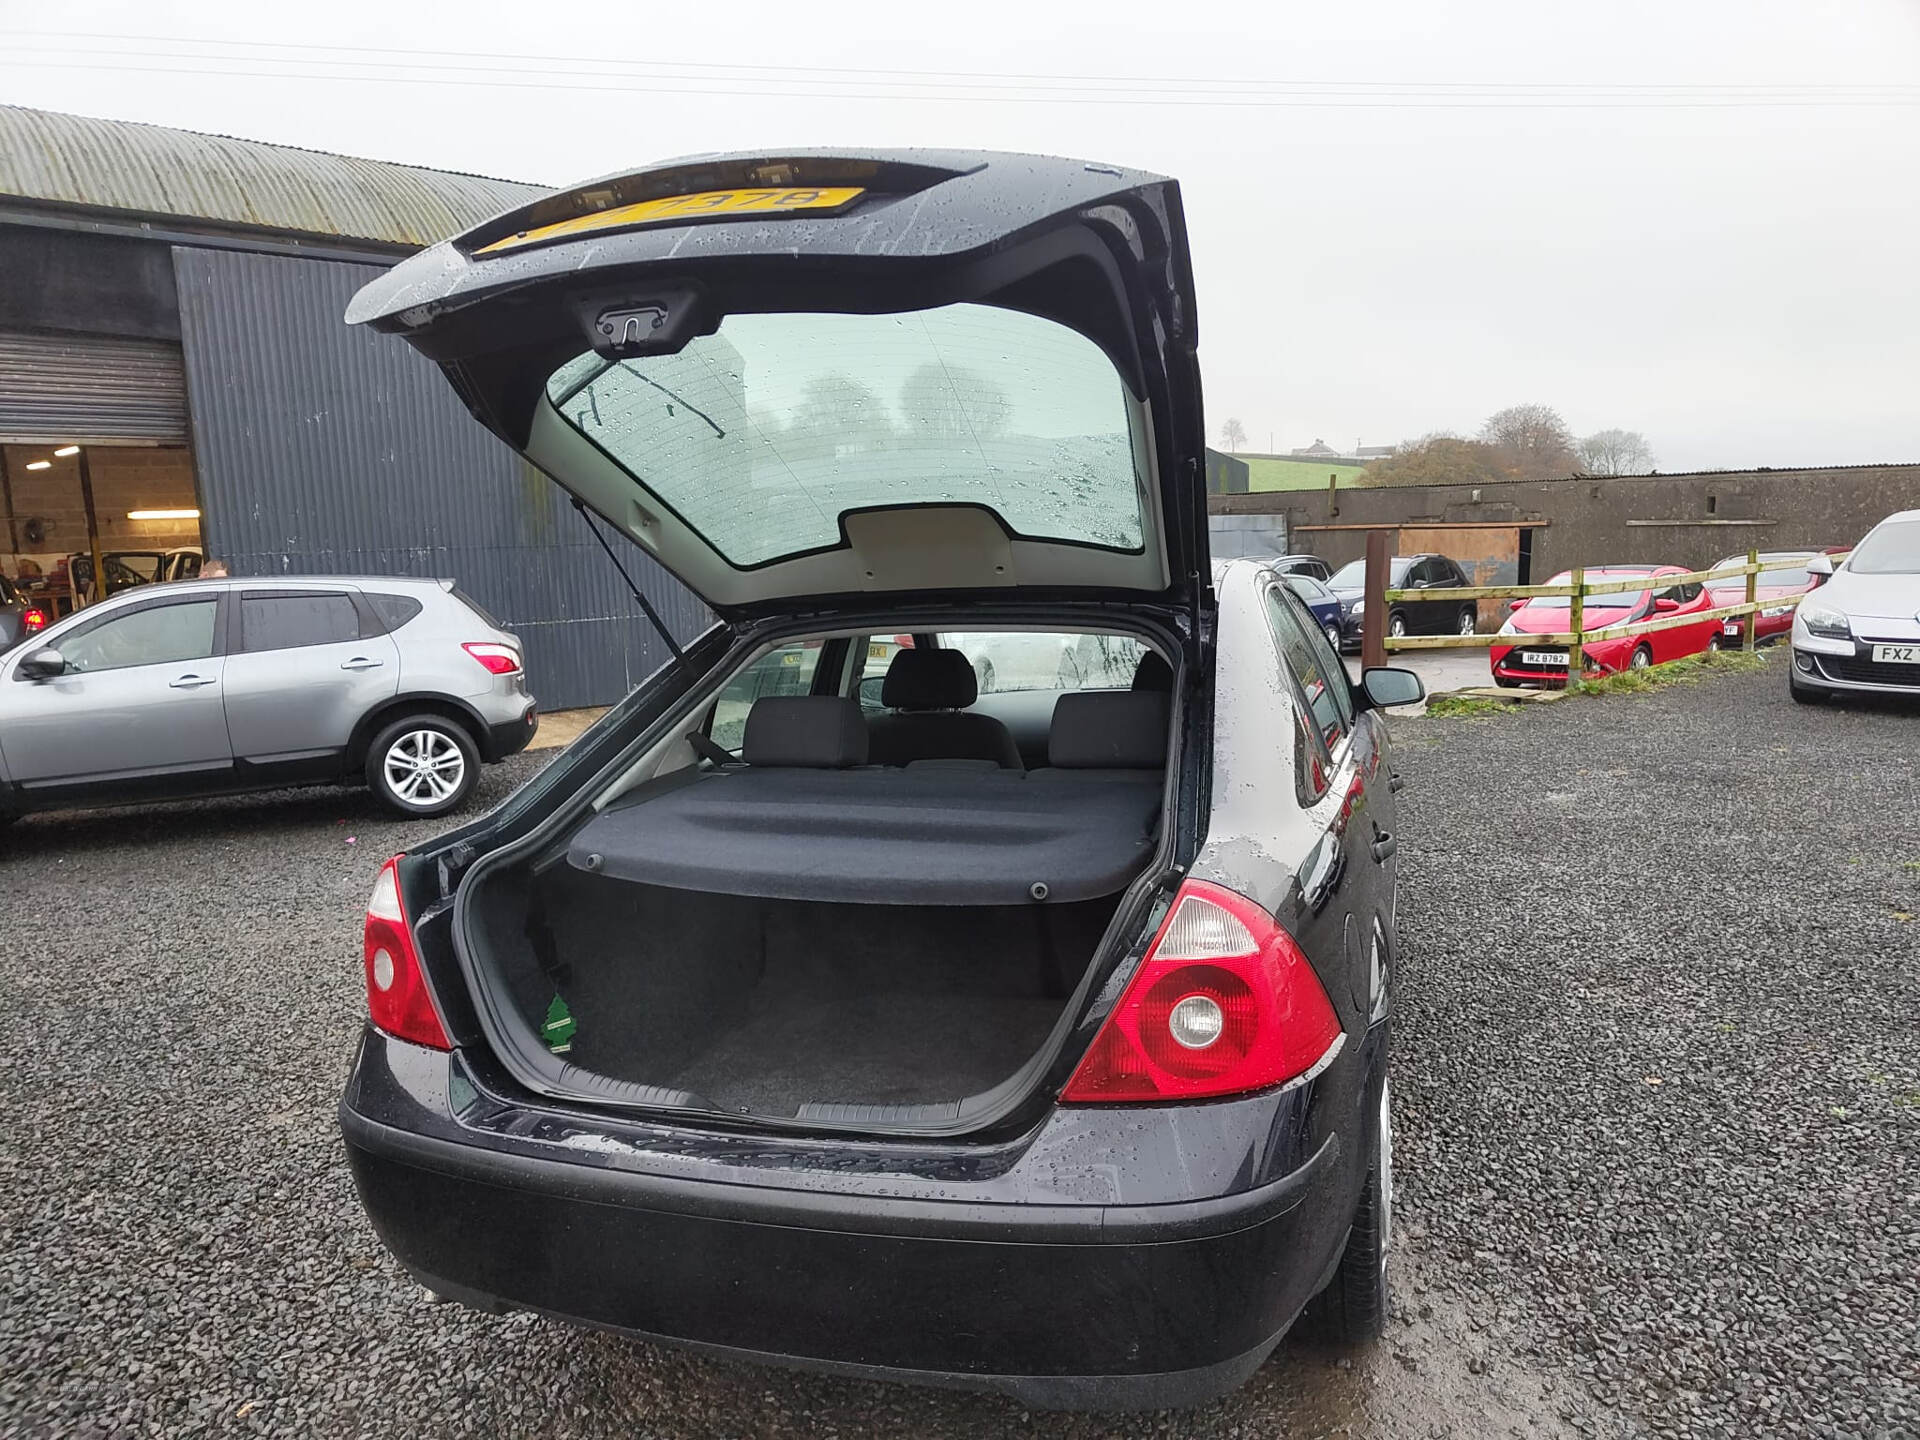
(1049,1053)
(1437,614)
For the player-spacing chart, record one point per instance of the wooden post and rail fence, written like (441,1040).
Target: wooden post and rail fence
(1376,644)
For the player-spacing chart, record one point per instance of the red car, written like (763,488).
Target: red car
(1517,663)
(1785,575)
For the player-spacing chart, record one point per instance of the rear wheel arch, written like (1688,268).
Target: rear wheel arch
(388,711)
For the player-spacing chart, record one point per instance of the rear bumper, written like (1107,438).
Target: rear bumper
(1059,1305)
(510,737)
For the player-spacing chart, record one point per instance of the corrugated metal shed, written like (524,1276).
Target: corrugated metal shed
(325,449)
(183,175)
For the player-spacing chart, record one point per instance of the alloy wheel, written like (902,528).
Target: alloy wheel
(1397,626)
(1642,659)
(424,767)
(1333,638)
(1469,624)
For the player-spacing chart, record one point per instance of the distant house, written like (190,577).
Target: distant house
(1359,455)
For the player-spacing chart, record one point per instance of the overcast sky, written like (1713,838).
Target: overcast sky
(1694,218)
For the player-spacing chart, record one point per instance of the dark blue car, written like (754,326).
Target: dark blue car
(1321,603)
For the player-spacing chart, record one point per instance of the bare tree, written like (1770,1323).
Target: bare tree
(950,402)
(1615,452)
(1533,441)
(1233,434)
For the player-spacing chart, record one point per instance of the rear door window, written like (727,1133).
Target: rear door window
(1328,695)
(287,621)
(784,670)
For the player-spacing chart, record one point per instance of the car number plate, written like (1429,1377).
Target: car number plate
(1544,657)
(670,209)
(1897,654)
(1732,627)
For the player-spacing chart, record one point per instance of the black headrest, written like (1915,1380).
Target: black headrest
(1110,730)
(821,732)
(1153,673)
(929,680)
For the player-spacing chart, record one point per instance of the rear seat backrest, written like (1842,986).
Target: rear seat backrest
(928,691)
(818,732)
(1110,730)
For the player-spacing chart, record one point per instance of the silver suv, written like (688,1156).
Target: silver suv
(208,686)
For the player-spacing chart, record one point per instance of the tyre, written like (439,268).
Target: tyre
(422,765)
(1353,1307)
(1714,645)
(1397,625)
(1469,622)
(1333,637)
(1642,659)
(1805,694)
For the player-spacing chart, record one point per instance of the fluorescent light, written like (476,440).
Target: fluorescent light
(163,514)
(66,450)
(40,464)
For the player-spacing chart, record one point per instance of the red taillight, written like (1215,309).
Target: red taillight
(397,997)
(33,618)
(1223,1003)
(499,659)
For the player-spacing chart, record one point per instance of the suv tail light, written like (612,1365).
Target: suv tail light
(1223,1003)
(397,996)
(499,659)
(33,618)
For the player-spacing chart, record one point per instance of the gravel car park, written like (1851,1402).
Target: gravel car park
(1656,1144)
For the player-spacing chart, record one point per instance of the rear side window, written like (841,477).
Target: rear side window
(394,610)
(284,622)
(786,670)
(1325,684)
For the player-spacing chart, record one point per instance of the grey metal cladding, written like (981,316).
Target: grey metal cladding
(328,449)
(55,158)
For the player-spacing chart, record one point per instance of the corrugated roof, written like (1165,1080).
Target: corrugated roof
(184,175)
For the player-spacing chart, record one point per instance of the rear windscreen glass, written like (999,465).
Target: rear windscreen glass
(761,435)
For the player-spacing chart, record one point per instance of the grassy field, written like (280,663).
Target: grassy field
(1274,473)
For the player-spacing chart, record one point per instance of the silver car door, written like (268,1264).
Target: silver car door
(140,697)
(306,666)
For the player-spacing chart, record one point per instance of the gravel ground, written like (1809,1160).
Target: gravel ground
(1659,1085)
(1657,1119)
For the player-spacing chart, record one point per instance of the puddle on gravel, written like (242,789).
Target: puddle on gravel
(1431,1375)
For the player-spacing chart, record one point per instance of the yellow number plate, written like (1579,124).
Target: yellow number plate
(709,204)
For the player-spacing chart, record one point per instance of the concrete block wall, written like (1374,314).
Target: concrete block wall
(124,478)
(1691,520)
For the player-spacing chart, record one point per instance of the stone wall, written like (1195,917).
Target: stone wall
(1691,520)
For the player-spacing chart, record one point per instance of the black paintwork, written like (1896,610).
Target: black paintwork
(1111,1255)
(1098,248)
(1438,616)
(1114,1254)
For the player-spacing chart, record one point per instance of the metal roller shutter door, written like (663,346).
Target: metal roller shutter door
(90,389)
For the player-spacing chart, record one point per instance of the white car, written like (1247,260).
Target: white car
(1859,633)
